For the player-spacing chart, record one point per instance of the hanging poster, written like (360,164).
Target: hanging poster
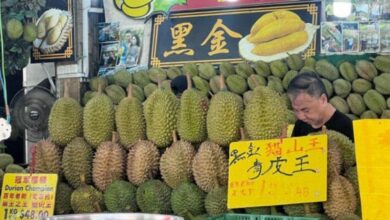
(55,39)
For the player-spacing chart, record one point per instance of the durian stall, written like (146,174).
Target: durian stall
(120,141)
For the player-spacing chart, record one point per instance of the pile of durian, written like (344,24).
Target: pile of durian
(146,150)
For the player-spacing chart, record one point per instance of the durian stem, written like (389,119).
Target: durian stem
(222,85)
(324,129)
(284,132)
(130,91)
(306,208)
(159,82)
(189,214)
(256,82)
(82,179)
(97,207)
(174,136)
(333,169)
(115,137)
(66,88)
(242,133)
(274,211)
(100,87)
(189,81)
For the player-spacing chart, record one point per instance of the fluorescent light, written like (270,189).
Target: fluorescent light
(342,8)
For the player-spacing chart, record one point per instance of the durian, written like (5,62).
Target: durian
(65,119)
(130,121)
(175,163)
(108,164)
(142,162)
(210,166)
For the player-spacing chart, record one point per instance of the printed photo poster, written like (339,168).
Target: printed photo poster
(375,8)
(369,37)
(331,37)
(109,55)
(386,10)
(350,37)
(360,11)
(130,45)
(384,27)
(108,32)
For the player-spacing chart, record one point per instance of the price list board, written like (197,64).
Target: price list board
(27,196)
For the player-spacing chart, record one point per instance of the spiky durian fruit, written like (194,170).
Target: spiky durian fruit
(262,119)
(62,203)
(210,166)
(224,117)
(65,119)
(175,163)
(142,162)
(191,120)
(341,198)
(99,119)
(216,200)
(108,164)
(345,145)
(47,157)
(352,175)
(120,197)
(154,196)
(130,121)
(160,111)
(188,200)
(5,160)
(86,199)
(76,161)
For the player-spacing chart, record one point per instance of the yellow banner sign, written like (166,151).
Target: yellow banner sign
(278,171)
(372,145)
(27,196)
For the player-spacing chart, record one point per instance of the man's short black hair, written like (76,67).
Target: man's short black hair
(179,84)
(309,83)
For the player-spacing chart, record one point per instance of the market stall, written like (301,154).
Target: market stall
(190,110)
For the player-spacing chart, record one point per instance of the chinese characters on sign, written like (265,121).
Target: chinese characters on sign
(28,196)
(213,36)
(279,171)
(216,37)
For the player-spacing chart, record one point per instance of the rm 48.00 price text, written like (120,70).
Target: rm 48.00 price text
(24,214)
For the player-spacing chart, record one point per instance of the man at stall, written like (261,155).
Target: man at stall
(310,104)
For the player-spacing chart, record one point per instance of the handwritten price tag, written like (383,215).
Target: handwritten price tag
(27,196)
(277,172)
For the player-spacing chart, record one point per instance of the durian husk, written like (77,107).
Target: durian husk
(108,164)
(341,197)
(47,157)
(261,119)
(142,162)
(224,117)
(175,163)
(216,200)
(191,120)
(86,199)
(65,119)
(210,166)
(62,203)
(130,121)
(76,161)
